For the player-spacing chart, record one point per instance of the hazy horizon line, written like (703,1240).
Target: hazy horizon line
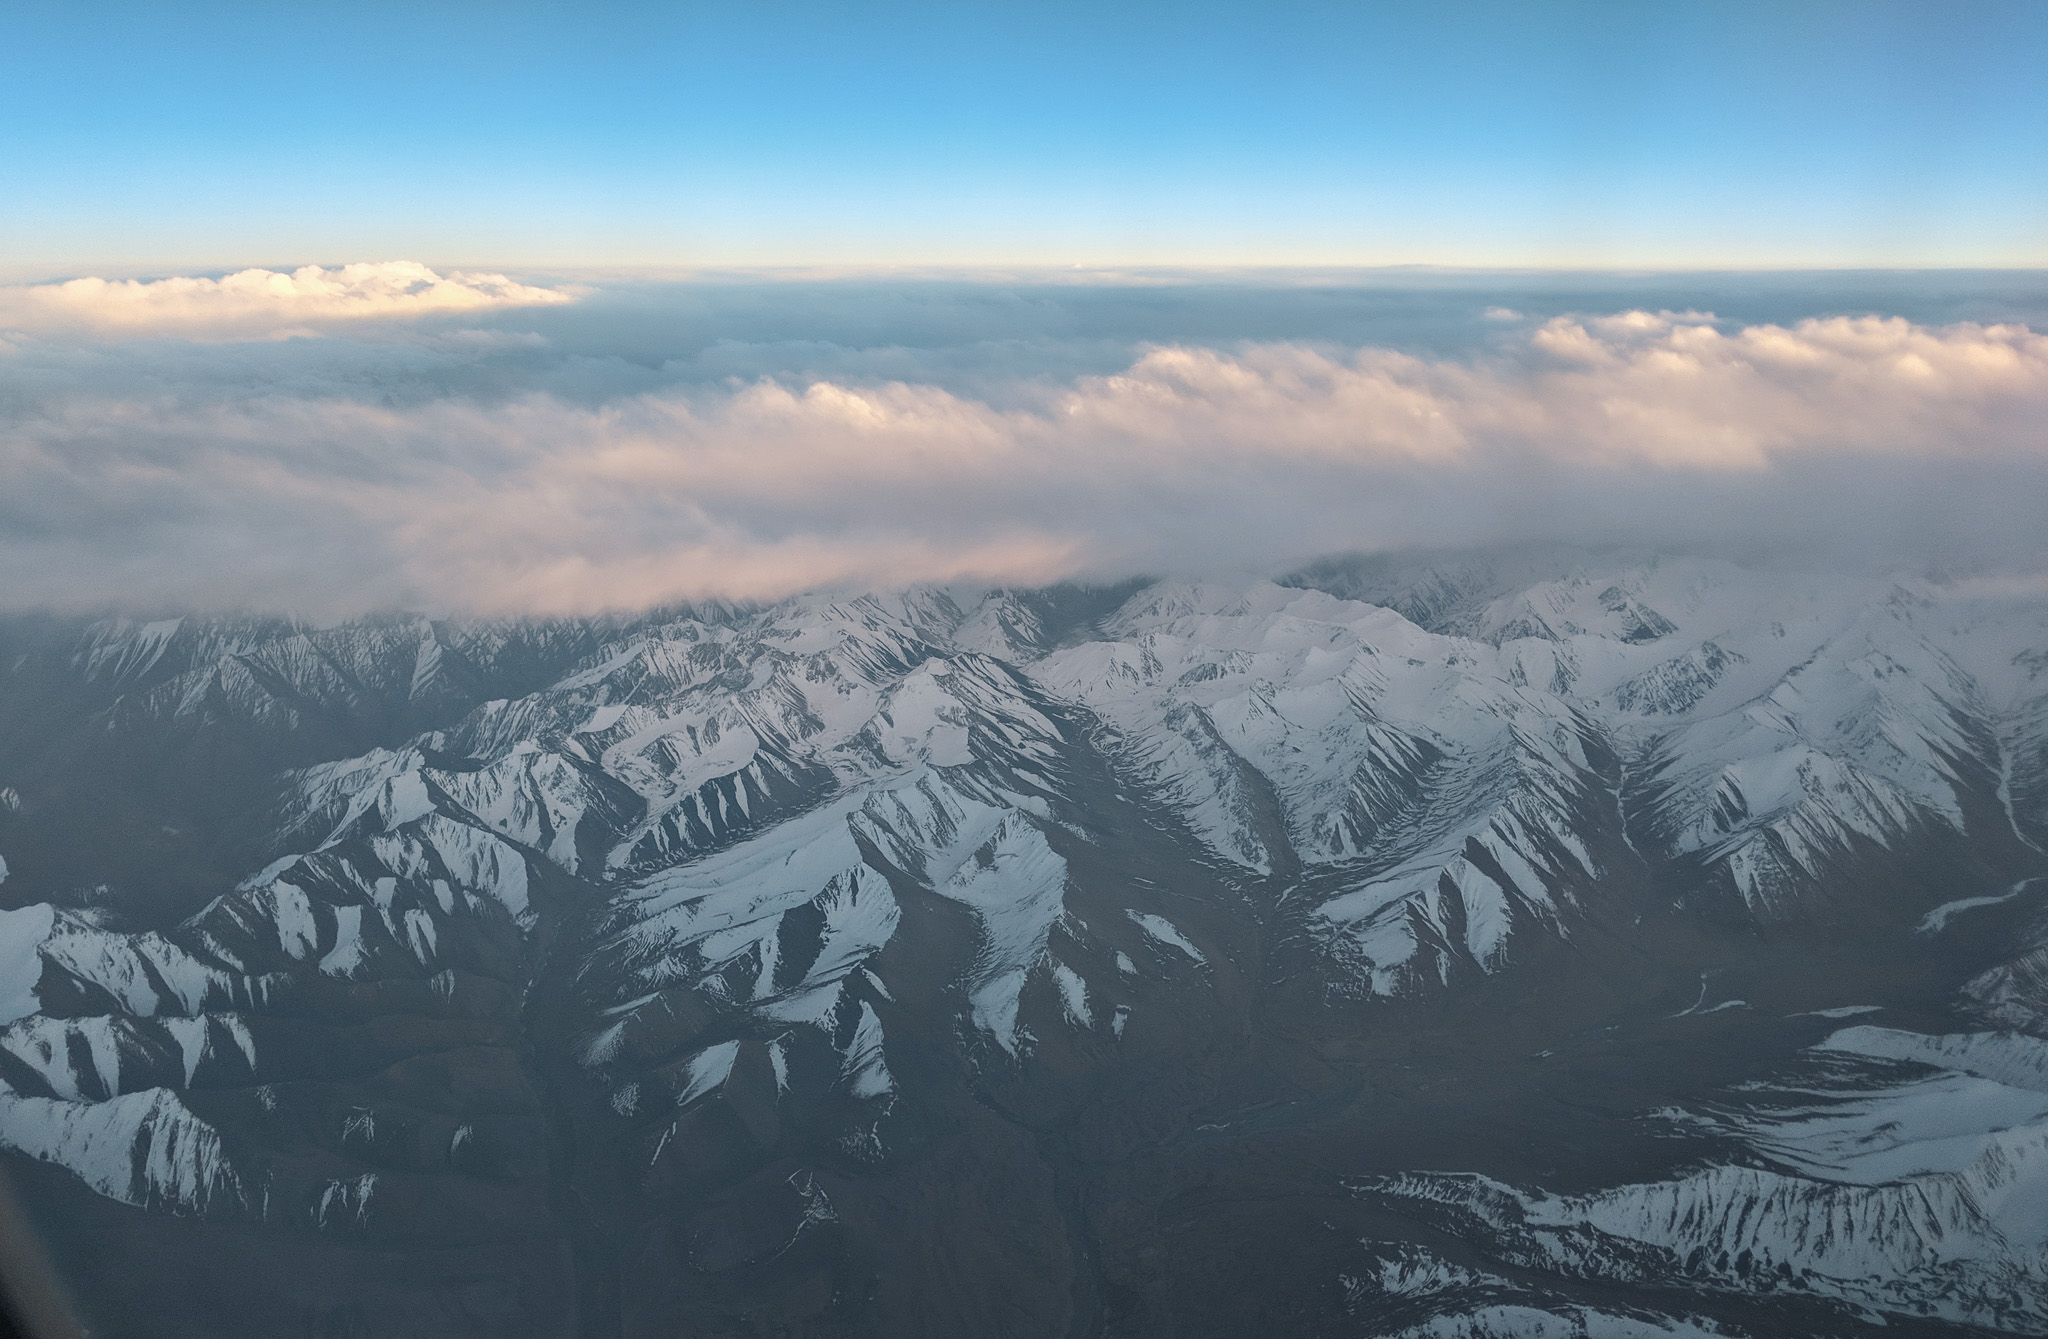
(1534,561)
(998,271)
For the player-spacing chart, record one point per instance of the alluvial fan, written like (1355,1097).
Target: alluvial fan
(1541,944)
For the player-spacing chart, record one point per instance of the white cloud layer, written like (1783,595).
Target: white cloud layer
(1878,438)
(263,301)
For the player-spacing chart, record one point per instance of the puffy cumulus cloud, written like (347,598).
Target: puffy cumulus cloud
(263,302)
(1878,438)
(1677,390)
(1636,388)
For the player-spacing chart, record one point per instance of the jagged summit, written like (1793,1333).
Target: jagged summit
(664,974)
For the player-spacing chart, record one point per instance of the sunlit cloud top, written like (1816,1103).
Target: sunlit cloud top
(497,449)
(264,301)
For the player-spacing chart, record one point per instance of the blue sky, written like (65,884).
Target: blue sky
(153,137)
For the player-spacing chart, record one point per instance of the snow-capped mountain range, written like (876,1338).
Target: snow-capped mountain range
(1528,944)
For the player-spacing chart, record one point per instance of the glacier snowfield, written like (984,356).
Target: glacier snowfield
(1499,945)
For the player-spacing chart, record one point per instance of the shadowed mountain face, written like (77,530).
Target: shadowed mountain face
(1490,947)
